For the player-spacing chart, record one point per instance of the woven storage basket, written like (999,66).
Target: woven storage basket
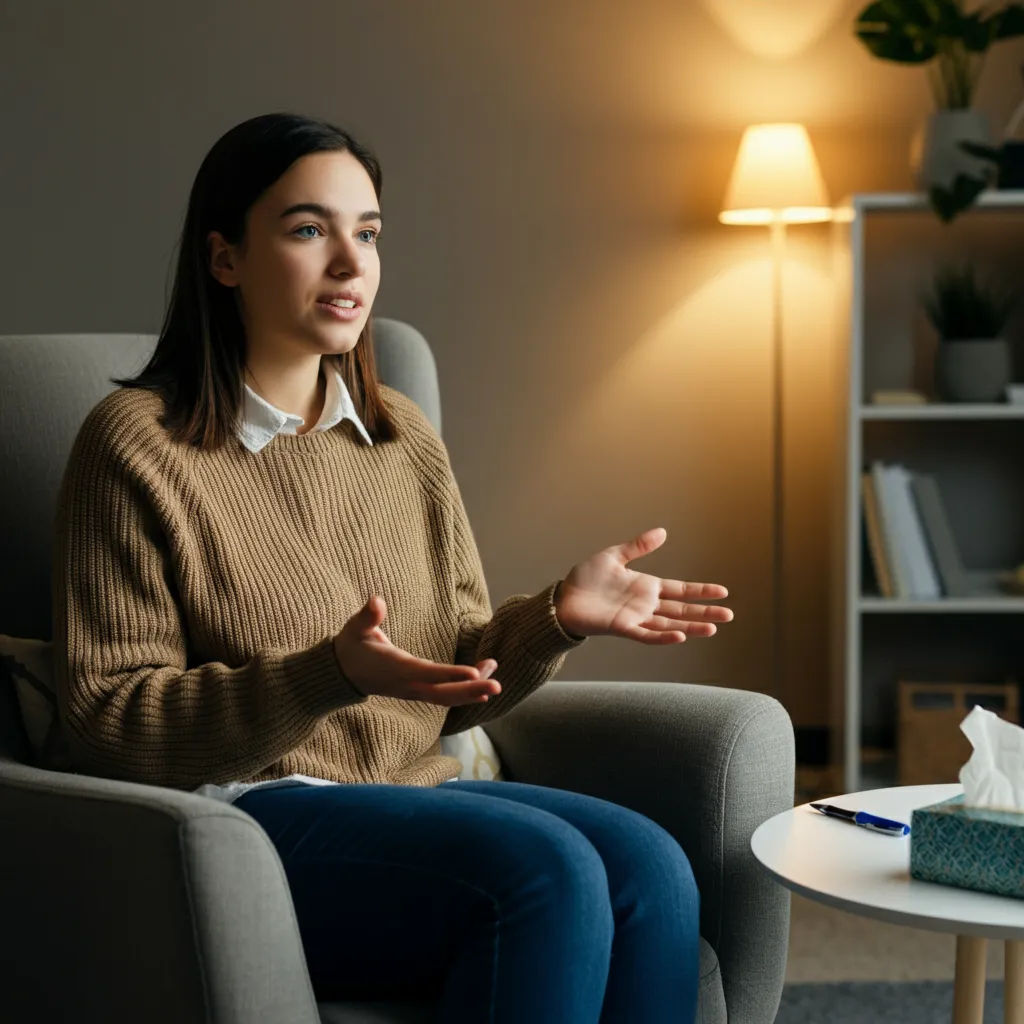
(930,747)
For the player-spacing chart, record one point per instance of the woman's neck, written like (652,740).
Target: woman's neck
(297,389)
(316,410)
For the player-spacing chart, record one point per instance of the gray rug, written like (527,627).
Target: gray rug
(879,1002)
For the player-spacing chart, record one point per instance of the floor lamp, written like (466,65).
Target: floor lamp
(776,181)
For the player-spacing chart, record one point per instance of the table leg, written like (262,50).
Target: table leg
(969,984)
(1013,986)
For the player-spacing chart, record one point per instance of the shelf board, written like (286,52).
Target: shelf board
(866,202)
(1006,603)
(986,597)
(944,411)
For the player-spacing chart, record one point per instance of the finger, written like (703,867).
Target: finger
(653,636)
(451,694)
(644,544)
(411,668)
(431,672)
(661,623)
(694,612)
(486,667)
(678,590)
(698,629)
(371,615)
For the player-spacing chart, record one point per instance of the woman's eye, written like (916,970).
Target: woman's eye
(306,227)
(371,232)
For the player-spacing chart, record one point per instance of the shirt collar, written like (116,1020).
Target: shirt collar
(261,422)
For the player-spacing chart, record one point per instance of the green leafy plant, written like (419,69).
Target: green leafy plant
(942,34)
(962,307)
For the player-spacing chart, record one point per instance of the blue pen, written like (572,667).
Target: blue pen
(886,826)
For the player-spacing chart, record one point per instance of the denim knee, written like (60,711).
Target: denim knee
(660,869)
(559,864)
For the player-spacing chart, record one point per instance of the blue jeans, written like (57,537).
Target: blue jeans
(504,902)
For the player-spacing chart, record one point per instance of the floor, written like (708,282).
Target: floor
(830,945)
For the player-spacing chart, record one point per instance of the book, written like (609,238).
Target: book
(898,398)
(940,535)
(923,579)
(876,542)
(894,555)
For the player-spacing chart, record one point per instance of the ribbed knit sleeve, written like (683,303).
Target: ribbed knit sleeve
(128,702)
(523,635)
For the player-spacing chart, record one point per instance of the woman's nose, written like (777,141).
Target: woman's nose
(348,260)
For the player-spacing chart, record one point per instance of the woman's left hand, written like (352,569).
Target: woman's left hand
(601,596)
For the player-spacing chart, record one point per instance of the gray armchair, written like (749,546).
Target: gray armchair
(125,902)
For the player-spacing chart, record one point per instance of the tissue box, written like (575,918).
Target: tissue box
(969,847)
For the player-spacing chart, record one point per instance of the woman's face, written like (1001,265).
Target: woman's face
(310,244)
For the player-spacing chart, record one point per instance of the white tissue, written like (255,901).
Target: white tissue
(994,775)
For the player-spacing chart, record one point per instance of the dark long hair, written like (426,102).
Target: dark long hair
(199,360)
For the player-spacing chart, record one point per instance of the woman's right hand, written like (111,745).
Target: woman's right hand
(373,664)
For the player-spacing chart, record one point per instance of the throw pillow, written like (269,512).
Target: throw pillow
(476,753)
(28,664)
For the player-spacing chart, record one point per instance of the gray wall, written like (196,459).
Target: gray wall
(552,173)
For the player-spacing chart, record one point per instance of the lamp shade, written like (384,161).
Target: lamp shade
(775,178)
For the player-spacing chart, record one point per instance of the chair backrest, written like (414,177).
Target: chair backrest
(49,383)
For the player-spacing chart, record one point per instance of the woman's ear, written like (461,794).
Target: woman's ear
(222,259)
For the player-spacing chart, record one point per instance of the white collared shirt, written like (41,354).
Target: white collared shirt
(261,421)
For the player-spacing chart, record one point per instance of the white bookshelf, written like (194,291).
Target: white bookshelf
(868,202)
(938,411)
(886,246)
(986,597)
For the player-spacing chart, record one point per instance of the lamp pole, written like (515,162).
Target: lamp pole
(778,239)
(776,181)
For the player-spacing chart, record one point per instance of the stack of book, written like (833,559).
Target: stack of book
(911,543)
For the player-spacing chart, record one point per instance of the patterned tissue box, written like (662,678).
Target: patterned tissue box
(969,847)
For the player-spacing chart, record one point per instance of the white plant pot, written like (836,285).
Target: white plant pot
(935,156)
(973,371)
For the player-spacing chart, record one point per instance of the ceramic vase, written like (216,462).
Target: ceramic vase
(935,155)
(973,371)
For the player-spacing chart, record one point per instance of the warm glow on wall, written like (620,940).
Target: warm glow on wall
(775,178)
(775,28)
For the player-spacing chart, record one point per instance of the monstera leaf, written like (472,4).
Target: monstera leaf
(907,31)
(1009,22)
(915,31)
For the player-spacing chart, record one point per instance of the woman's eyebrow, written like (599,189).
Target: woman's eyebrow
(327,212)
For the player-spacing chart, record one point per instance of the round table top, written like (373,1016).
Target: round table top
(835,862)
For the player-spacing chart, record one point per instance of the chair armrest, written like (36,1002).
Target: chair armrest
(708,764)
(123,902)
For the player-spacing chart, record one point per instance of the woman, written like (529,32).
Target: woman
(268,591)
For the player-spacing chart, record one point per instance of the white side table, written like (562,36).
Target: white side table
(844,866)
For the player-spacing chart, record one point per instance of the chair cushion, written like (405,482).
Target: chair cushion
(27,665)
(710,1002)
(14,745)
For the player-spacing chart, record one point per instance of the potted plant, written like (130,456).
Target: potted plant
(973,358)
(953,43)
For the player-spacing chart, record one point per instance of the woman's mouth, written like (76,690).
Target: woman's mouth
(340,312)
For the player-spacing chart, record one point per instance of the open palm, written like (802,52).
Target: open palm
(603,596)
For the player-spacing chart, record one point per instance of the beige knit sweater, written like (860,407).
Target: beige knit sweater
(197,594)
